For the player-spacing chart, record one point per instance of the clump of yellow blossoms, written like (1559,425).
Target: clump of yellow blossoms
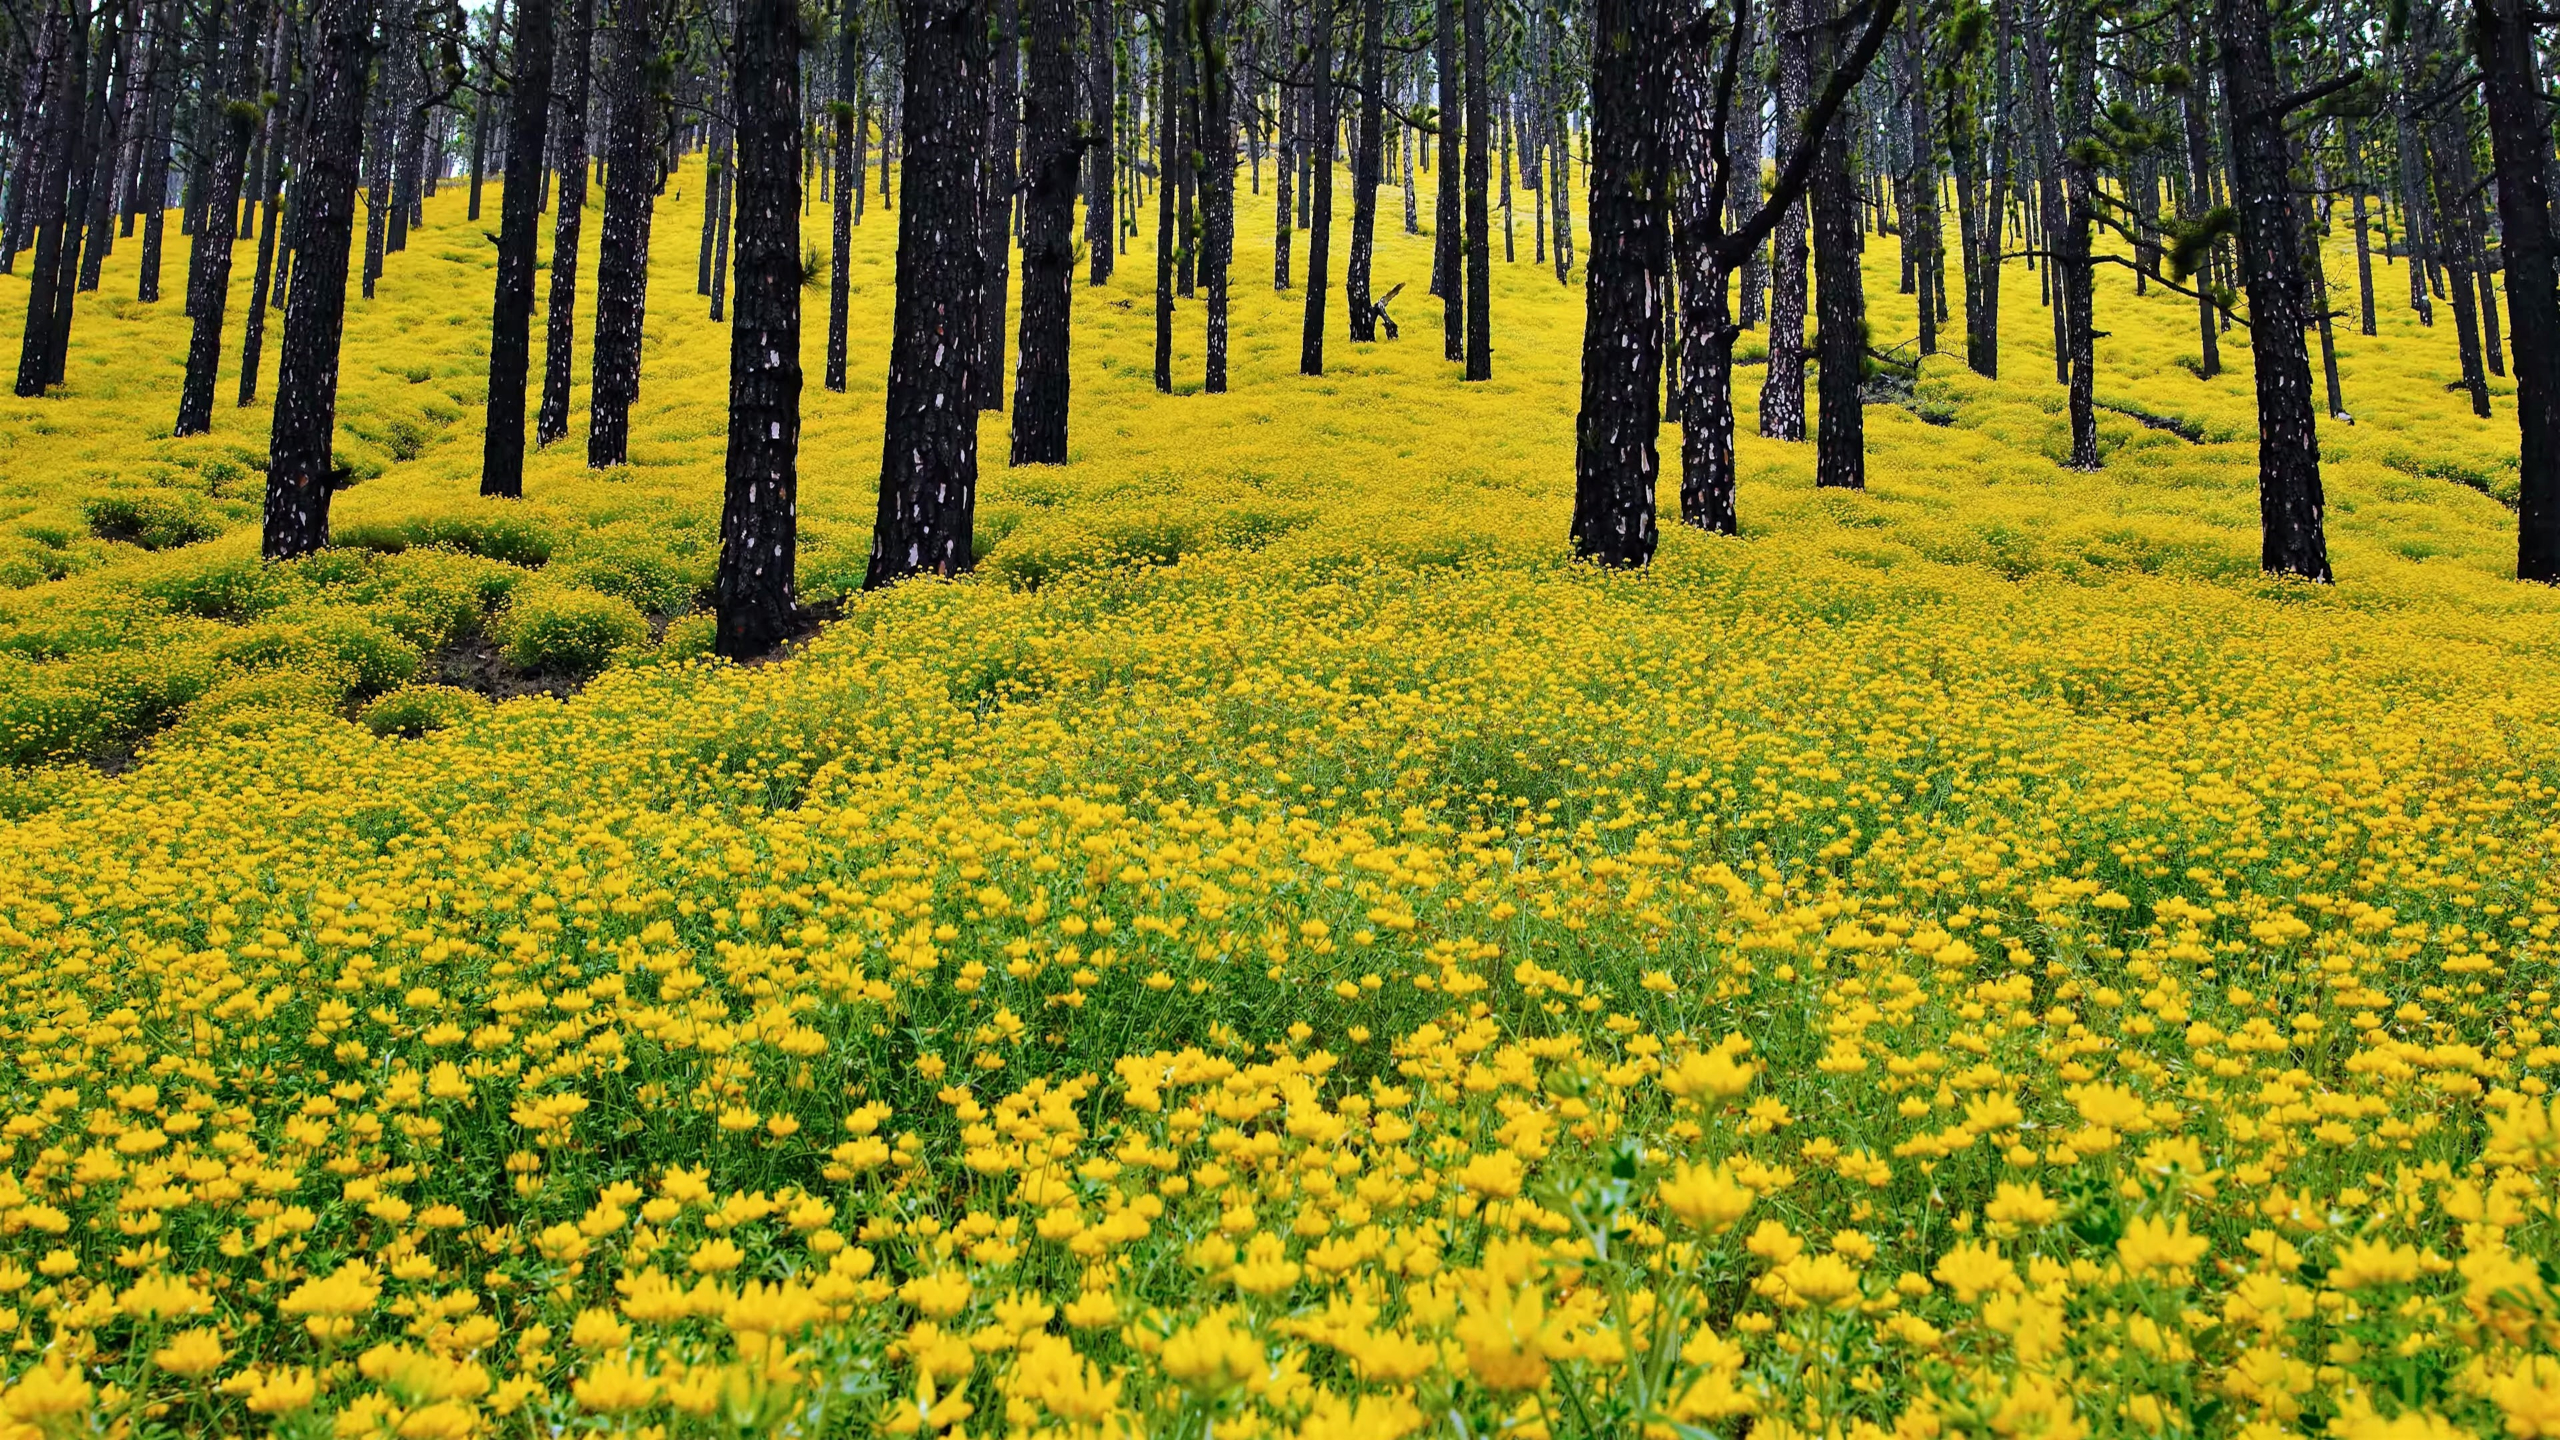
(1281,954)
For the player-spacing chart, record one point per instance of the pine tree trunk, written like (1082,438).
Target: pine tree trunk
(622,264)
(519,223)
(301,471)
(1168,99)
(2074,279)
(1320,221)
(209,268)
(2290,504)
(154,188)
(1782,386)
(1616,457)
(270,183)
(1217,182)
(1365,160)
(1479,318)
(560,320)
(2199,200)
(1706,325)
(49,164)
(847,162)
(995,220)
(1840,437)
(929,452)
(759,520)
(2519,136)
(480,108)
(1040,385)
(106,147)
(1102,146)
(1448,258)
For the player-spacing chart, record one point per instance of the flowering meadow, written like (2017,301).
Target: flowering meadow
(1280,952)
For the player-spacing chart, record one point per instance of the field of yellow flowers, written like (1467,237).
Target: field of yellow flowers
(1281,952)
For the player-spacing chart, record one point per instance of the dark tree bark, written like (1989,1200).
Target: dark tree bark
(560,322)
(848,169)
(162,101)
(480,108)
(2073,277)
(301,471)
(759,519)
(929,453)
(1102,85)
(2290,503)
(1320,222)
(622,263)
(1169,22)
(1285,183)
(1048,217)
(1479,316)
(270,185)
(1217,183)
(2519,138)
(106,145)
(1616,457)
(63,40)
(209,267)
(1840,437)
(1366,156)
(1782,384)
(1448,259)
(2199,198)
(519,222)
(995,220)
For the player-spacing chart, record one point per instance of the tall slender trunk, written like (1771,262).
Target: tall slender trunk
(1365,160)
(622,263)
(270,184)
(2199,197)
(1285,181)
(2519,137)
(1320,222)
(995,218)
(759,518)
(209,267)
(1617,460)
(1217,182)
(2073,272)
(154,187)
(560,320)
(1448,259)
(301,471)
(62,40)
(1040,384)
(1840,438)
(1479,318)
(519,222)
(929,451)
(2290,503)
(106,145)
(1169,25)
(480,106)
(1782,387)
(1100,142)
(847,162)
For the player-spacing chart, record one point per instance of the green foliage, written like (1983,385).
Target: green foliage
(557,629)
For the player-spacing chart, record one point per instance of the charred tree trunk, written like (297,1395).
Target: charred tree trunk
(2290,504)
(1782,387)
(2199,198)
(622,263)
(1040,385)
(2519,137)
(1840,438)
(270,184)
(1169,21)
(759,518)
(1479,316)
(154,184)
(1217,183)
(560,320)
(995,220)
(209,265)
(519,221)
(1101,146)
(1320,221)
(63,37)
(929,453)
(480,108)
(1366,157)
(1616,457)
(1448,260)
(301,471)
(848,185)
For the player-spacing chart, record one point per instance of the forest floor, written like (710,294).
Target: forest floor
(2027,970)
